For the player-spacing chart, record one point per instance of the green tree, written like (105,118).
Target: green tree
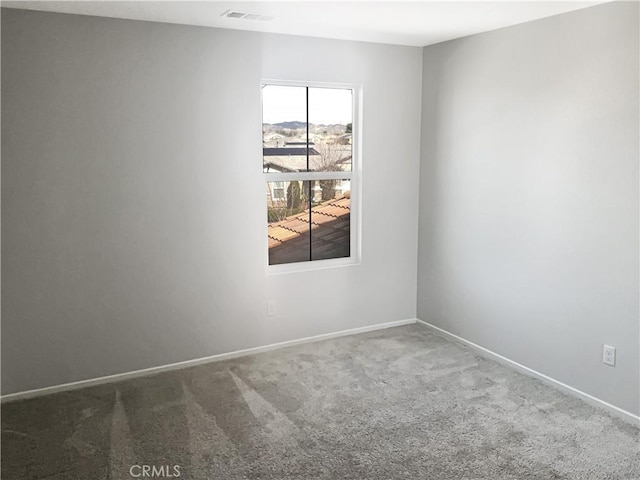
(328,189)
(294,197)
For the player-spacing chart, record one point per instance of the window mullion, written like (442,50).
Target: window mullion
(309,194)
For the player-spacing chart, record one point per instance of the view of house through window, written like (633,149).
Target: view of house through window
(307,160)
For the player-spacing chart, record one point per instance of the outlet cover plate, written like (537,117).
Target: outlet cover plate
(609,355)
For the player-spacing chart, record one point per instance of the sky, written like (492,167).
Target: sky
(326,105)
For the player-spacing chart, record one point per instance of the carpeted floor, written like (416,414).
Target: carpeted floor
(401,403)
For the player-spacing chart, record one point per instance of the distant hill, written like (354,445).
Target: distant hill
(291,125)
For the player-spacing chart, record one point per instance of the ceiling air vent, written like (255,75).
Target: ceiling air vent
(246,16)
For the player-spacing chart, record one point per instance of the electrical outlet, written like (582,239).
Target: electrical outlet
(609,355)
(271,308)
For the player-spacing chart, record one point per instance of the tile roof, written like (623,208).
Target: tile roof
(330,227)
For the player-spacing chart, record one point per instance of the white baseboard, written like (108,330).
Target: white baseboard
(590,399)
(12,397)
(618,412)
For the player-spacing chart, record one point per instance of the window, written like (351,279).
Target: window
(278,190)
(308,162)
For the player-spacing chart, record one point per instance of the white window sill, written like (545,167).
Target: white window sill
(310,266)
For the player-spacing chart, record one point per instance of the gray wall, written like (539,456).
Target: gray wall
(133,201)
(133,198)
(529,195)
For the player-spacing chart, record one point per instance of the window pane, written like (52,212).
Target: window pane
(288,218)
(331,219)
(330,129)
(284,128)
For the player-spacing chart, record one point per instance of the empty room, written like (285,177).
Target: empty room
(320,240)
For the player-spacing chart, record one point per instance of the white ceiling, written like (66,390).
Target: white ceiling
(415,23)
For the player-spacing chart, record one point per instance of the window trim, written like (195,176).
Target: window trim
(354,176)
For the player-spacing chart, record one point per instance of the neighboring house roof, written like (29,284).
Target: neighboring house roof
(295,163)
(288,159)
(272,136)
(287,151)
(299,143)
(330,227)
(294,159)
(343,139)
